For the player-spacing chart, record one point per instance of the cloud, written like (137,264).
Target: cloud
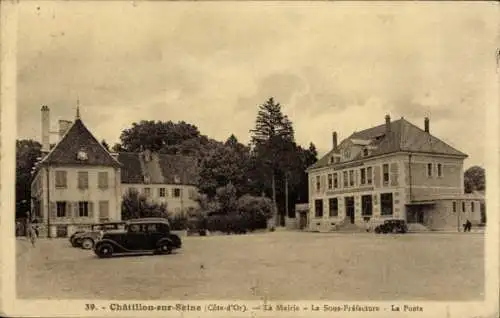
(332,66)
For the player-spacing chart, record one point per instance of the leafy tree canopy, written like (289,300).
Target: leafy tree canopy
(474,179)
(27,152)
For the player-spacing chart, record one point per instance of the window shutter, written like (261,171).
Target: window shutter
(53,210)
(69,209)
(376,176)
(394,173)
(323,183)
(75,210)
(91,209)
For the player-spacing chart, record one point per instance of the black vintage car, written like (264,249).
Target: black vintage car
(392,226)
(87,239)
(147,235)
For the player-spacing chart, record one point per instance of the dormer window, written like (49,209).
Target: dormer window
(82,155)
(177,179)
(332,159)
(147,179)
(347,154)
(365,152)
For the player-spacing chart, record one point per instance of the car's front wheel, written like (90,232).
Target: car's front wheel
(104,250)
(165,248)
(87,244)
(73,242)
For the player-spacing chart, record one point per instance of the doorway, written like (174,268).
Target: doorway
(302,220)
(415,214)
(349,208)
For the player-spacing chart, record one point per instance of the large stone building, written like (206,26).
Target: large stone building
(395,170)
(79,182)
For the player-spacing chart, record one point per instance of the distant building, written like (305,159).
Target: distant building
(394,170)
(169,179)
(79,182)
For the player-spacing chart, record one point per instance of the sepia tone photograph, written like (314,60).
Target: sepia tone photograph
(281,152)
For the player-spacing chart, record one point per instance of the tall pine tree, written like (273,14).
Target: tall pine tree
(272,142)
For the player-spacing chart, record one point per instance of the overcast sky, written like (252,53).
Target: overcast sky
(333,66)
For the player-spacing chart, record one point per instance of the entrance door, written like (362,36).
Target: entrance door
(349,208)
(302,220)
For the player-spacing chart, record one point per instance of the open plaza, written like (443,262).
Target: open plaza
(287,265)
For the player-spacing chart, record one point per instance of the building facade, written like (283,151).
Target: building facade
(76,183)
(79,182)
(162,178)
(395,170)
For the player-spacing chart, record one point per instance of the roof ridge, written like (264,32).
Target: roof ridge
(83,129)
(436,138)
(158,153)
(102,146)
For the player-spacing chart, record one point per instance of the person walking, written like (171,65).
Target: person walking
(468,224)
(32,233)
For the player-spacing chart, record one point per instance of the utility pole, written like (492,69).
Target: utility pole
(286,196)
(275,208)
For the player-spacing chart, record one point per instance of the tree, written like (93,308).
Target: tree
(27,152)
(135,205)
(273,144)
(474,179)
(226,199)
(117,147)
(225,163)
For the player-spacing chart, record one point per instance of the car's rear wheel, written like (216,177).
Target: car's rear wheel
(165,248)
(87,244)
(104,250)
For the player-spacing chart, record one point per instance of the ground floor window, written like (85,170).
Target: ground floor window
(177,193)
(334,206)
(103,210)
(366,205)
(61,208)
(318,208)
(386,204)
(83,208)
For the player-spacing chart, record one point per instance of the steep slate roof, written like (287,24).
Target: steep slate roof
(78,137)
(403,136)
(134,169)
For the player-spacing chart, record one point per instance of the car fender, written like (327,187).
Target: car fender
(176,240)
(112,243)
(163,240)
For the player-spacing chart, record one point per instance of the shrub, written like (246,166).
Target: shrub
(135,205)
(255,211)
(178,222)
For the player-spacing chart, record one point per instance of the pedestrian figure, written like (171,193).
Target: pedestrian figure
(468,225)
(32,234)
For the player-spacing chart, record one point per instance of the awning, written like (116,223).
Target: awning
(421,203)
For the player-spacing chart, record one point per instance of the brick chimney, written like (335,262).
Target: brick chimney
(45,128)
(426,124)
(63,127)
(334,140)
(387,124)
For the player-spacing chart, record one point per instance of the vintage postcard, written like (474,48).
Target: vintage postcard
(249,159)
